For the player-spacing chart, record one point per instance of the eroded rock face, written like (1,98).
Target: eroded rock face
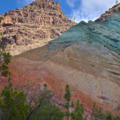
(33,25)
(112,10)
(87,57)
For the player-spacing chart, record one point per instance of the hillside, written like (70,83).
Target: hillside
(87,57)
(114,9)
(33,25)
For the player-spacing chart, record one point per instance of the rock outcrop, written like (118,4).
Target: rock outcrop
(87,57)
(112,10)
(33,25)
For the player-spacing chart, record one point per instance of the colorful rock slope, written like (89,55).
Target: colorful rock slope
(87,57)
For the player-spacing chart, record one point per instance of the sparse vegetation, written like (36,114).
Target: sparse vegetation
(12,104)
(25,29)
(67,97)
(4,59)
(42,10)
(32,7)
(1,18)
(38,1)
(15,106)
(45,109)
(12,101)
(78,113)
(98,114)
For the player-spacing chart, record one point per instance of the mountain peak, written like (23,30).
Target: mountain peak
(34,13)
(114,9)
(45,3)
(33,25)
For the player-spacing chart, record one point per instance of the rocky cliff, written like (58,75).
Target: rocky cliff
(112,10)
(87,57)
(33,25)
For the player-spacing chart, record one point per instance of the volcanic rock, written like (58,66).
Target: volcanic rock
(114,9)
(87,57)
(33,25)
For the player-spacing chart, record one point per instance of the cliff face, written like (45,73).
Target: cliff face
(87,57)
(112,10)
(33,25)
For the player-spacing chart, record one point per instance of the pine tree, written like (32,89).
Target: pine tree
(77,114)
(12,104)
(67,97)
(98,114)
(12,101)
(5,59)
(44,108)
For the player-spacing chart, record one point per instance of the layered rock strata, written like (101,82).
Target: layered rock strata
(87,57)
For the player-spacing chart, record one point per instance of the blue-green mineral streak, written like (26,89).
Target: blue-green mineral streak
(105,34)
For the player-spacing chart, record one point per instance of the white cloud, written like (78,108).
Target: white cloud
(71,3)
(91,9)
(87,10)
(28,1)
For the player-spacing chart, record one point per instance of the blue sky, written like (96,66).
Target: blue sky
(78,9)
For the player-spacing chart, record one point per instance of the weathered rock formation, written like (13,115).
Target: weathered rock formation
(112,10)
(87,57)
(33,25)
